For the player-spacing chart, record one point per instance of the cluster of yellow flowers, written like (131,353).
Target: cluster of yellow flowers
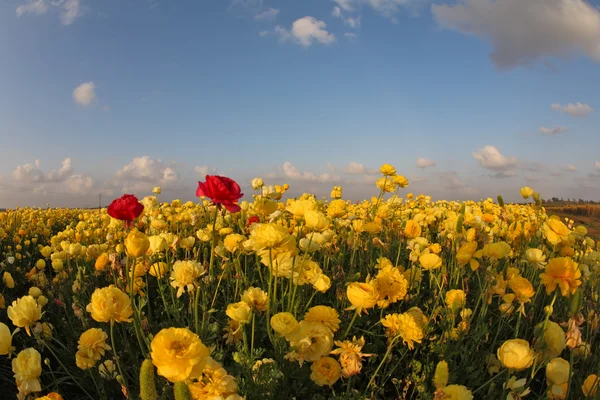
(192,301)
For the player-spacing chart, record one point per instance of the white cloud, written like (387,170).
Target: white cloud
(146,169)
(355,168)
(79,184)
(306,31)
(69,10)
(522,32)
(350,35)
(32,173)
(345,5)
(575,110)
(37,7)
(291,172)
(352,22)
(56,181)
(85,94)
(425,163)
(204,170)
(491,158)
(264,33)
(267,15)
(143,173)
(556,130)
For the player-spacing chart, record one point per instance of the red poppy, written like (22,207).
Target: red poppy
(125,208)
(221,190)
(252,220)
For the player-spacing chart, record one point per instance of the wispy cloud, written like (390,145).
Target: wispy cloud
(573,109)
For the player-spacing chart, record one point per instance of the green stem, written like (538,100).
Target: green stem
(385,356)
(356,312)
(117,358)
(252,336)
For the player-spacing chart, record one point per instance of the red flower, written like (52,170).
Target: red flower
(221,190)
(125,208)
(252,220)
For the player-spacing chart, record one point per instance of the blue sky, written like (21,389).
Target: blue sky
(125,95)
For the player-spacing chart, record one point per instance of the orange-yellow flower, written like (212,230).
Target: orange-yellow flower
(562,272)
(178,354)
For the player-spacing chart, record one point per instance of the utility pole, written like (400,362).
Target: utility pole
(99,201)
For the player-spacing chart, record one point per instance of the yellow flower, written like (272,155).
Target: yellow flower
(322,283)
(240,312)
(40,264)
(496,250)
(325,371)
(101,262)
(27,368)
(405,326)
(24,312)
(536,257)
(465,254)
(555,231)
(386,184)
(46,251)
(430,261)
(184,275)
(178,354)
(156,190)
(234,242)
(110,304)
(298,207)
(516,354)
(5,339)
(310,341)
(456,299)
(562,272)
(457,392)
(157,244)
(440,378)
(351,356)
(187,243)
(92,344)
(324,315)
(526,192)
(336,193)
(401,181)
(557,371)
(316,220)
(8,280)
(362,295)
(159,269)
(284,323)
(387,170)
(554,339)
(137,243)
(270,236)
(214,383)
(257,183)
(522,288)
(337,208)
(390,284)
(590,385)
(35,292)
(256,298)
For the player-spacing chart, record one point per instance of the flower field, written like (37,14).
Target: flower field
(394,297)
